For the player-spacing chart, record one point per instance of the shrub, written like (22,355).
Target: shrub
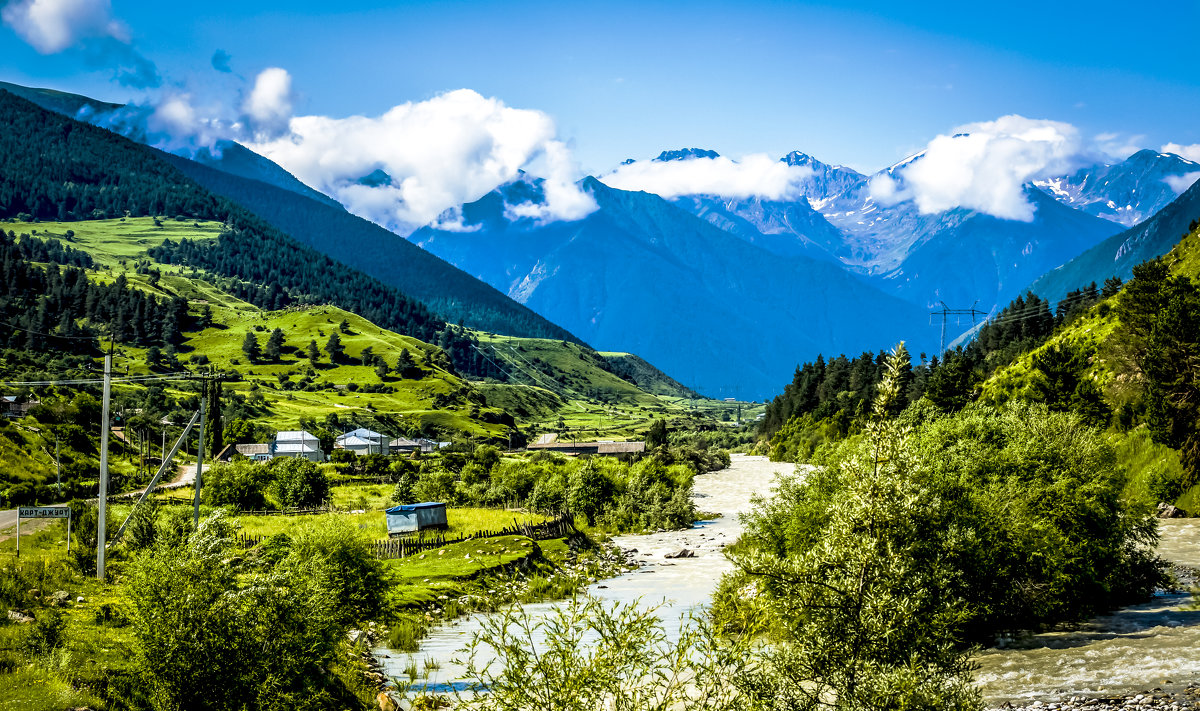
(239,484)
(299,483)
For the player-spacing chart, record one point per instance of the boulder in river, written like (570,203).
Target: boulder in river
(681,553)
(1169,511)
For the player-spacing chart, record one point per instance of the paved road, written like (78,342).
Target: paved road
(186,477)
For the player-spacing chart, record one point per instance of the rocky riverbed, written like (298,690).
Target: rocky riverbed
(1188,698)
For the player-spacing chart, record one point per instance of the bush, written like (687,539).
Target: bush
(299,483)
(239,484)
(208,637)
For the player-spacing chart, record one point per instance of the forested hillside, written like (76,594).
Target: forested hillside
(55,168)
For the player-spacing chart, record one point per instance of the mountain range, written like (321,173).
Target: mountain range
(726,294)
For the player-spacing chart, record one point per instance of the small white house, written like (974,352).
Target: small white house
(297,443)
(364,441)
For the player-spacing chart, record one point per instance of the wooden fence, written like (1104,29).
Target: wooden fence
(404,546)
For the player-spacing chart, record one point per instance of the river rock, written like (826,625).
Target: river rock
(19,618)
(681,553)
(62,598)
(1169,511)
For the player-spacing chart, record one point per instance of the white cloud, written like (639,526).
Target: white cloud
(1179,183)
(755,175)
(1191,152)
(1119,146)
(268,108)
(438,153)
(985,167)
(52,26)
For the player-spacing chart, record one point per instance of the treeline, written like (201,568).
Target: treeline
(827,400)
(57,308)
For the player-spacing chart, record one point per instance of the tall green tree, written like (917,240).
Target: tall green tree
(274,345)
(334,347)
(250,347)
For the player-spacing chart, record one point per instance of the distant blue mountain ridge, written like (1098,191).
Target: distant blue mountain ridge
(772,283)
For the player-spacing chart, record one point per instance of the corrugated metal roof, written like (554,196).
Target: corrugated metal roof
(250,449)
(362,433)
(295,435)
(357,442)
(413,507)
(402,442)
(621,447)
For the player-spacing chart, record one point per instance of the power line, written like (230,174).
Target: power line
(49,335)
(92,381)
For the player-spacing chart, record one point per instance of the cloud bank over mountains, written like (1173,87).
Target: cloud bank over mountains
(756,175)
(425,157)
(985,167)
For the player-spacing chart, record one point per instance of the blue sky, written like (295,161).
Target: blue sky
(863,86)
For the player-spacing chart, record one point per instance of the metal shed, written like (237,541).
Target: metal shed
(410,518)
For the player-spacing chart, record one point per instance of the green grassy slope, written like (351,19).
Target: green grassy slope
(439,399)
(1092,335)
(636,370)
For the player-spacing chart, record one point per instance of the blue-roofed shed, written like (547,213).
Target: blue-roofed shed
(410,518)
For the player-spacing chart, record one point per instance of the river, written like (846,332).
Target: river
(1156,644)
(679,585)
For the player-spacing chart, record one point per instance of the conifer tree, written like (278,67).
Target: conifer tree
(250,347)
(334,347)
(274,345)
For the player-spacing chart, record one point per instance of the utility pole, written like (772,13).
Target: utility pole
(101,534)
(945,312)
(200,455)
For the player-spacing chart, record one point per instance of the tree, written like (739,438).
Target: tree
(589,491)
(381,370)
(344,326)
(250,347)
(239,484)
(952,384)
(334,347)
(861,591)
(313,353)
(656,436)
(299,483)
(274,345)
(209,634)
(367,356)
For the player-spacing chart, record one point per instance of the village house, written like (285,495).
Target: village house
(363,441)
(13,406)
(292,443)
(621,450)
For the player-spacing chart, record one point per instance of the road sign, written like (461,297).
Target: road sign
(43,512)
